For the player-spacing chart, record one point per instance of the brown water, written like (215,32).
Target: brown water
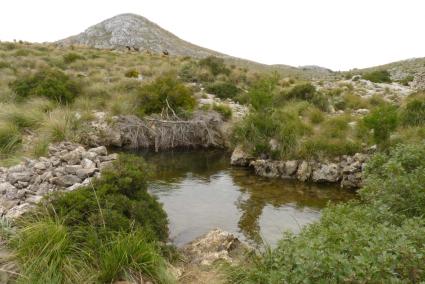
(200,191)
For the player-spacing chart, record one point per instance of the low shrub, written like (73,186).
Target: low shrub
(132,73)
(163,93)
(262,92)
(50,83)
(215,65)
(71,57)
(224,110)
(382,120)
(307,92)
(406,80)
(223,90)
(379,76)
(413,114)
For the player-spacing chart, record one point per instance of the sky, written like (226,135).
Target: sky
(337,34)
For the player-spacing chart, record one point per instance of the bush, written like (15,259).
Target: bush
(163,92)
(133,73)
(396,180)
(262,92)
(307,92)
(72,57)
(406,80)
(102,233)
(382,120)
(413,114)
(223,90)
(350,244)
(224,110)
(50,83)
(122,192)
(380,76)
(215,65)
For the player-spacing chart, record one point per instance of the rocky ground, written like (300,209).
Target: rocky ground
(67,167)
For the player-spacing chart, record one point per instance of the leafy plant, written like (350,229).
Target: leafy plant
(223,90)
(166,91)
(379,76)
(382,120)
(50,83)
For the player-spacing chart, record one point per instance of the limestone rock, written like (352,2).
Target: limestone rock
(240,157)
(304,171)
(65,181)
(326,173)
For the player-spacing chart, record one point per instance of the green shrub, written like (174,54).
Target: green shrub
(315,115)
(71,57)
(379,76)
(50,83)
(163,92)
(224,110)
(382,120)
(262,92)
(122,193)
(22,52)
(132,73)
(396,180)
(413,114)
(406,80)
(223,90)
(351,244)
(307,92)
(4,64)
(215,65)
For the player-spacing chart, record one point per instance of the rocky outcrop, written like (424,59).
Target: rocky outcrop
(240,157)
(346,170)
(419,81)
(213,246)
(67,167)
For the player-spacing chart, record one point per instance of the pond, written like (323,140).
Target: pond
(200,191)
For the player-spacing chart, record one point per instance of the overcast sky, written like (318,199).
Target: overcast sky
(338,34)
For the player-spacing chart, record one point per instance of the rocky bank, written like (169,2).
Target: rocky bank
(67,167)
(345,170)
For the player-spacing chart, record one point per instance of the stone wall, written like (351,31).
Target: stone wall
(67,167)
(345,170)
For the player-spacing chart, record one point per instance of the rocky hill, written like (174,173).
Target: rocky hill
(136,33)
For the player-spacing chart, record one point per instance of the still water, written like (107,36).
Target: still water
(200,191)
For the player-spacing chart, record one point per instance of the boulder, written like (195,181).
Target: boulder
(326,173)
(268,168)
(304,171)
(66,180)
(85,173)
(14,177)
(290,168)
(101,151)
(240,157)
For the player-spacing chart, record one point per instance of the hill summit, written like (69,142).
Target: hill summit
(136,33)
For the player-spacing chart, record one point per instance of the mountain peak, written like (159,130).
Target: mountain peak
(135,32)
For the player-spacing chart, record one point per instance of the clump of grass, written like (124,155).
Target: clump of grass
(224,110)
(132,73)
(223,90)
(10,139)
(71,57)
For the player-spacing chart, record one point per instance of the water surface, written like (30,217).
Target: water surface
(200,191)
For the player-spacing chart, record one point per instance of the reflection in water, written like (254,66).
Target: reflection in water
(200,192)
